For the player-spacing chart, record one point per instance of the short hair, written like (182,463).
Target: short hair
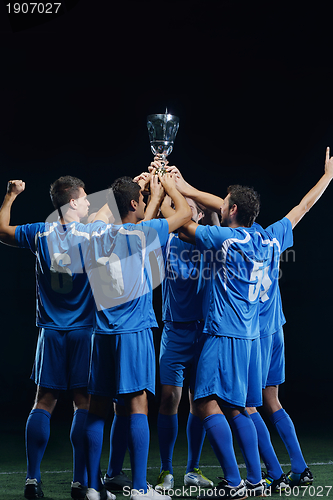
(65,189)
(247,201)
(124,190)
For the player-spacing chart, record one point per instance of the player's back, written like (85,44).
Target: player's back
(183,285)
(120,275)
(64,298)
(238,259)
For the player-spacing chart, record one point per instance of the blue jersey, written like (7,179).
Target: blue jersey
(64,298)
(239,257)
(120,275)
(183,285)
(271,316)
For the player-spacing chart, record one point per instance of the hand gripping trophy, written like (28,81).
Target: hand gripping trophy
(162,130)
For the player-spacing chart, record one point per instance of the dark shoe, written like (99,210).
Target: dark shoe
(275,485)
(304,479)
(78,491)
(256,490)
(224,490)
(117,482)
(33,489)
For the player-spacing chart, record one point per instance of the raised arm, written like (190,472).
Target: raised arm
(296,214)
(182,212)
(7,232)
(210,201)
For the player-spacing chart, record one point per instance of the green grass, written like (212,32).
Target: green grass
(316,440)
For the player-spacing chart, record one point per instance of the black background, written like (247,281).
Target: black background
(252,85)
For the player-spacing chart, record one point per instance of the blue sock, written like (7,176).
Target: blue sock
(195,432)
(266,449)
(247,439)
(167,429)
(220,438)
(93,445)
(77,440)
(37,433)
(118,444)
(138,445)
(286,429)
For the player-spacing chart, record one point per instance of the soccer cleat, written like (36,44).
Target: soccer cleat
(93,494)
(303,479)
(256,490)
(117,482)
(151,494)
(165,481)
(275,485)
(78,491)
(33,489)
(224,490)
(196,478)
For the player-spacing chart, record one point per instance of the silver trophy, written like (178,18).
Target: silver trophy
(162,130)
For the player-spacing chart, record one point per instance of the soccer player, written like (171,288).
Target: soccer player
(223,377)
(182,296)
(273,362)
(123,357)
(64,317)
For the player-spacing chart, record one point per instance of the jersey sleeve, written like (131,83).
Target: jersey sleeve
(25,235)
(212,237)
(282,231)
(158,227)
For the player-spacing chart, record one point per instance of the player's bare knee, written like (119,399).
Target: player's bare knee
(170,399)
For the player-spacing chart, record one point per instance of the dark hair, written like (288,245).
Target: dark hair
(124,191)
(65,189)
(247,201)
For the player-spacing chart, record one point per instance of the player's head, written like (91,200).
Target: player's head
(128,197)
(197,212)
(241,206)
(68,194)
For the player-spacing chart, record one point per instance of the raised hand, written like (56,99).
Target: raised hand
(15,187)
(329,163)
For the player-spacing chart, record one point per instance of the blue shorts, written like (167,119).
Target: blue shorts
(272,359)
(178,351)
(62,358)
(230,368)
(122,364)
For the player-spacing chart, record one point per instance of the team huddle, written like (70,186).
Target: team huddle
(223,323)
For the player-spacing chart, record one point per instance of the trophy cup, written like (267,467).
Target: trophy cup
(162,131)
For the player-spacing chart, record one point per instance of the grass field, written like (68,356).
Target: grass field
(316,441)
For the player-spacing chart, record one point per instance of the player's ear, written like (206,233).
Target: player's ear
(134,205)
(233,210)
(73,203)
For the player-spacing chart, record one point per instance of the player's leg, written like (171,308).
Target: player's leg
(195,433)
(81,400)
(135,354)
(195,430)
(300,473)
(176,355)
(246,378)
(37,433)
(115,478)
(220,437)
(167,429)
(138,437)
(101,388)
(275,478)
(208,385)
(78,347)
(49,374)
